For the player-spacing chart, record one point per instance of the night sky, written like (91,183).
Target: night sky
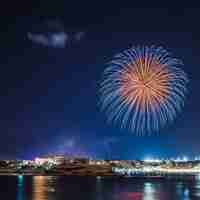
(49,94)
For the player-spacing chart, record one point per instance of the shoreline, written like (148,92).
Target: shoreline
(153,177)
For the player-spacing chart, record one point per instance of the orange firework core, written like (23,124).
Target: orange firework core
(144,82)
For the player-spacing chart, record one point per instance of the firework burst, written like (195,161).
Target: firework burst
(143,89)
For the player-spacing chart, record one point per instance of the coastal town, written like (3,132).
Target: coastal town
(72,166)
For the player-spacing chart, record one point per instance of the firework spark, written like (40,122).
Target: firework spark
(143,89)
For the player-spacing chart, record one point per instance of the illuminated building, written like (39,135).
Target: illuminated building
(54,159)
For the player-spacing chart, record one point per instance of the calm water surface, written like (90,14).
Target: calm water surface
(84,188)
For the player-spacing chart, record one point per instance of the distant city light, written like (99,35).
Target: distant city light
(150,160)
(185,159)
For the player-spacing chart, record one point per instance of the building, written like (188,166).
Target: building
(54,159)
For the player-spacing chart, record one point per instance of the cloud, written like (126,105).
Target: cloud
(79,35)
(53,34)
(70,143)
(69,146)
(56,40)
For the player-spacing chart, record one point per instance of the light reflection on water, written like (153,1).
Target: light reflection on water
(75,188)
(149,191)
(20,187)
(39,188)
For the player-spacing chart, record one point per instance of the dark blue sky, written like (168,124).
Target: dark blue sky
(49,96)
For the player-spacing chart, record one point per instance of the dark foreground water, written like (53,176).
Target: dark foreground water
(89,188)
